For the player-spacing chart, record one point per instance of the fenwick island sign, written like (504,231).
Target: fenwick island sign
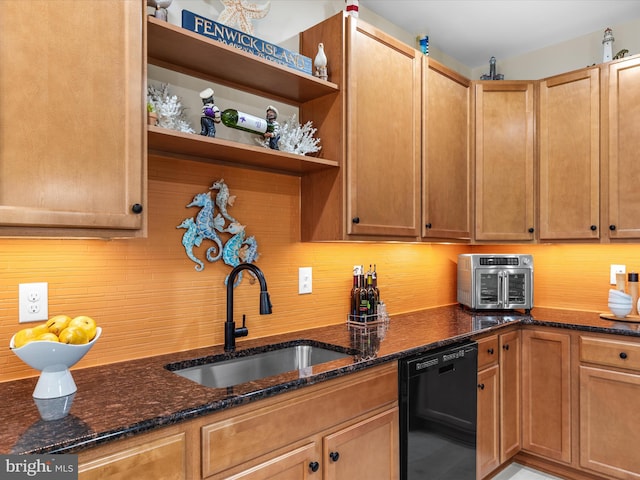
(245,42)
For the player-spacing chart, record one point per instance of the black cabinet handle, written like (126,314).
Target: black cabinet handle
(427,225)
(314,466)
(356,220)
(334,456)
(505,347)
(136,208)
(481,386)
(531,229)
(612,227)
(490,351)
(593,228)
(623,355)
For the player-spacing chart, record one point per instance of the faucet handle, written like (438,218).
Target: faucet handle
(243,331)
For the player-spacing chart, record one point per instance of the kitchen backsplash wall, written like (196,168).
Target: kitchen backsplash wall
(149,299)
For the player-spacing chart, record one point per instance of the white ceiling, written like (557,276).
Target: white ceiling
(472,31)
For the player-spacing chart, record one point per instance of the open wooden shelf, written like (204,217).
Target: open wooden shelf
(192,54)
(171,143)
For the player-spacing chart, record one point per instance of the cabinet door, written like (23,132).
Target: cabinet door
(510,395)
(72,147)
(445,158)
(609,419)
(367,450)
(504,160)
(161,459)
(624,144)
(546,394)
(488,436)
(383,134)
(569,146)
(298,464)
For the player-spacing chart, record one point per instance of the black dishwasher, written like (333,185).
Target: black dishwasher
(438,414)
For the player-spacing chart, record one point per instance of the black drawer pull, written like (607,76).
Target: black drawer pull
(314,466)
(623,355)
(481,386)
(505,347)
(490,351)
(334,456)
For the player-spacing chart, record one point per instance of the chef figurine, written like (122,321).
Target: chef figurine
(273,128)
(210,114)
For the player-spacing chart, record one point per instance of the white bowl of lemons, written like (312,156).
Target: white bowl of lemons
(53,348)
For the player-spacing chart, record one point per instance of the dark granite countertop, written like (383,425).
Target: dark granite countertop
(122,399)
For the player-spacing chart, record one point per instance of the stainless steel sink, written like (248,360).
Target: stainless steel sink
(248,366)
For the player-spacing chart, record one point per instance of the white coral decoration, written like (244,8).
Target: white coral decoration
(295,138)
(171,113)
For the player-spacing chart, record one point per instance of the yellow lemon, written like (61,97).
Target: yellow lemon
(40,329)
(86,323)
(23,337)
(51,337)
(58,323)
(73,335)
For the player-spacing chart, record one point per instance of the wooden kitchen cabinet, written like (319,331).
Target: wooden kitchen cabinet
(366,450)
(376,192)
(620,121)
(569,156)
(294,434)
(446,167)
(504,160)
(181,50)
(165,454)
(72,114)
(546,393)
(610,406)
(499,400)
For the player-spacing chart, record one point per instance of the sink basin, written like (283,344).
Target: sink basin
(222,371)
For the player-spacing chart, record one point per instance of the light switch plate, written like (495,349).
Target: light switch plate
(304,280)
(616,269)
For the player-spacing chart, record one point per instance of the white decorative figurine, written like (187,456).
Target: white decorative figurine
(608,45)
(320,63)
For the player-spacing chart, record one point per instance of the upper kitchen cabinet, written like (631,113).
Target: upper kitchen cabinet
(504,154)
(569,161)
(72,148)
(183,51)
(620,120)
(375,195)
(445,153)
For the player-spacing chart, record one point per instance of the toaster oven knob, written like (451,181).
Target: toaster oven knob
(593,228)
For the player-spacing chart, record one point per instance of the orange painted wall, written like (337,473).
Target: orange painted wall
(149,299)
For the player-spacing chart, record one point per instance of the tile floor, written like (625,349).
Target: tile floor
(516,471)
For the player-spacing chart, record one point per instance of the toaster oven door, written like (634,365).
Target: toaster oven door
(499,288)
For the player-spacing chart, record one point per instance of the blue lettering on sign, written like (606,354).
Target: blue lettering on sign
(245,42)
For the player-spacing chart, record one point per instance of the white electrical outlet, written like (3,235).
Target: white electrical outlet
(616,269)
(304,280)
(33,301)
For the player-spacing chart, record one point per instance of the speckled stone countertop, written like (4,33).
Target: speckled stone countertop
(122,399)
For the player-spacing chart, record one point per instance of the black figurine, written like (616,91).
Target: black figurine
(492,71)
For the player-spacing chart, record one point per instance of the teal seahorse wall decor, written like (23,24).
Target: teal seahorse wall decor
(214,224)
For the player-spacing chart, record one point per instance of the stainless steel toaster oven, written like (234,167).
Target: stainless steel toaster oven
(495,281)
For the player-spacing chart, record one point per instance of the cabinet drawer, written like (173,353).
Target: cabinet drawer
(487,352)
(612,353)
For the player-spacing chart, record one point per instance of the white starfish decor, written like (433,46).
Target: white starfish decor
(240,13)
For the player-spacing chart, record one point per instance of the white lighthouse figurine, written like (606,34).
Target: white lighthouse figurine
(608,45)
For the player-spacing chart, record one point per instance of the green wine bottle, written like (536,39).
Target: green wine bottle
(243,121)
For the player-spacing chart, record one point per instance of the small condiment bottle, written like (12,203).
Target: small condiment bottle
(633,291)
